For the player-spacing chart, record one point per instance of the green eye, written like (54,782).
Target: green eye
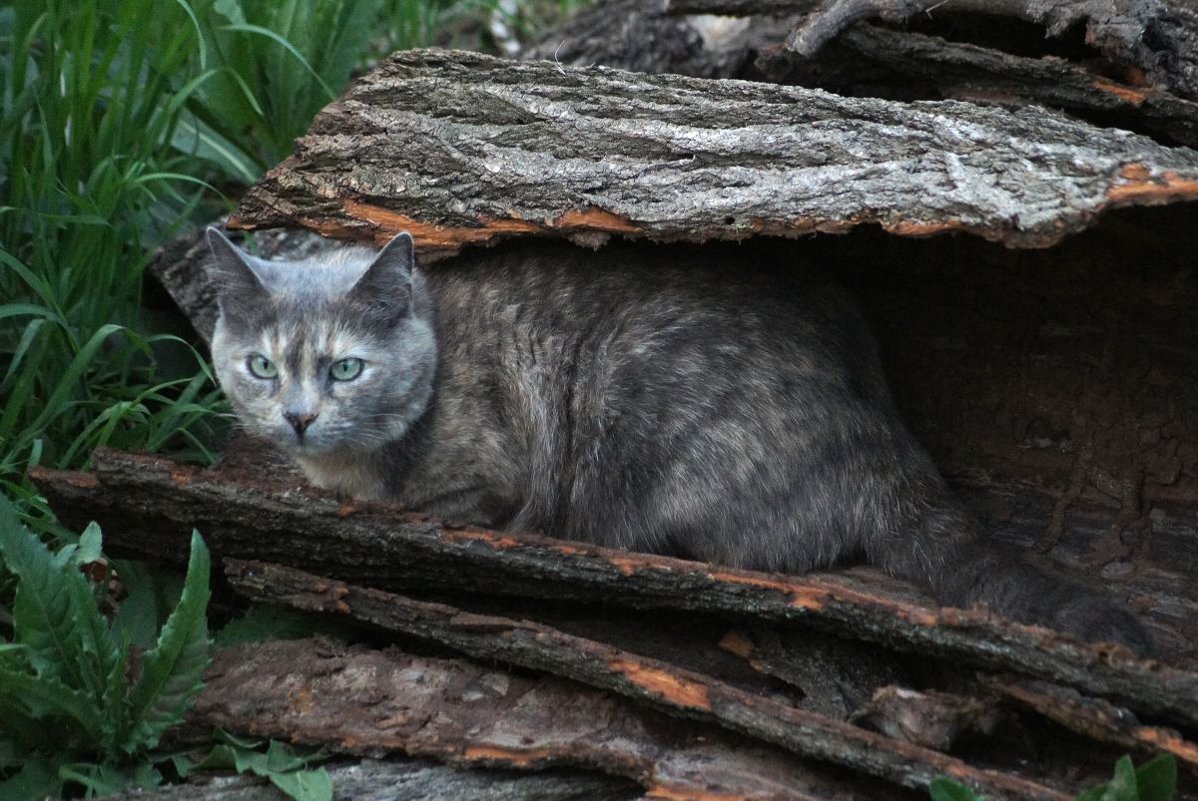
(346,369)
(262,367)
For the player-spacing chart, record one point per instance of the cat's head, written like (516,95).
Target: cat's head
(331,354)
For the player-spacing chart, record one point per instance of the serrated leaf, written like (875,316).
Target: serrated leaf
(106,779)
(46,696)
(54,613)
(943,788)
(116,700)
(171,672)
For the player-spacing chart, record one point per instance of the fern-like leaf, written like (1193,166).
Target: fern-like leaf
(47,697)
(171,673)
(54,613)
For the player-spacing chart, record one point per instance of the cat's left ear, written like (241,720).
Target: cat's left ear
(233,270)
(388,279)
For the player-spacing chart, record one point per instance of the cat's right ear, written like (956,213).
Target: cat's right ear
(236,279)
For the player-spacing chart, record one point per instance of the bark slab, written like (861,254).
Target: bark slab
(677,690)
(460,148)
(150,505)
(374,703)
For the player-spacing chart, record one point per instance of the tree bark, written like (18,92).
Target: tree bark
(677,690)
(1158,37)
(932,66)
(540,149)
(151,504)
(374,703)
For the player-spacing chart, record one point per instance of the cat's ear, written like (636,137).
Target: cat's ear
(233,270)
(388,279)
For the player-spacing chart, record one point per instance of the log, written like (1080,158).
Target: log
(405,779)
(1160,38)
(542,149)
(353,700)
(940,68)
(677,690)
(150,504)
(928,59)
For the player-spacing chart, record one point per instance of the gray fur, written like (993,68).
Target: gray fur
(649,399)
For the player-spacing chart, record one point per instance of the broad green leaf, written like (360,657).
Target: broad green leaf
(305,785)
(286,770)
(172,669)
(1123,786)
(1157,780)
(90,542)
(281,759)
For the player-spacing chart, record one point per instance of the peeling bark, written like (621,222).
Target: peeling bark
(677,690)
(151,504)
(357,701)
(1158,37)
(541,149)
(987,76)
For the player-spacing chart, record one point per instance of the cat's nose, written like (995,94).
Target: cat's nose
(299,421)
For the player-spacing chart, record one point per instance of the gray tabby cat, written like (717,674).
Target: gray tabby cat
(632,398)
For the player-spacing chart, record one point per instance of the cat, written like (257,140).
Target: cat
(645,398)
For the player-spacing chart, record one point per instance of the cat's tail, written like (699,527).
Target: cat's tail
(948,553)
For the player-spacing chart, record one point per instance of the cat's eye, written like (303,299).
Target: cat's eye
(346,369)
(262,367)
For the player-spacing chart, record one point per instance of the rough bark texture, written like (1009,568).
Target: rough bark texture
(359,701)
(909,64)
(537,149)
(1158,37)
(677,690)
(405,779)
(151,504)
